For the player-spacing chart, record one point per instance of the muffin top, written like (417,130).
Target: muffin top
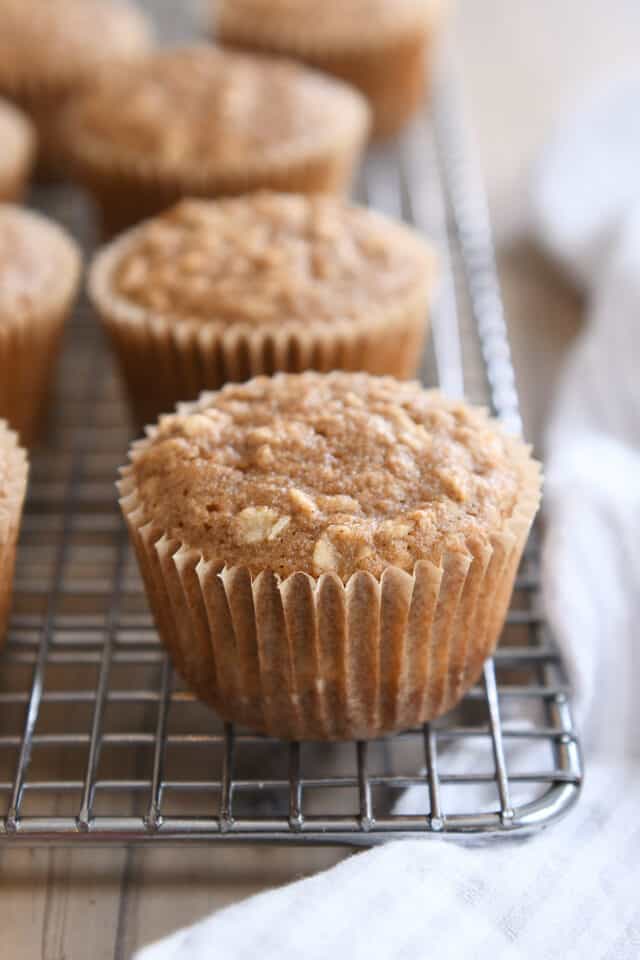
(39,264)
(201,110)
(267,258)
(63,41)
(17,139)
(328,473)
(13,475)
(341,23)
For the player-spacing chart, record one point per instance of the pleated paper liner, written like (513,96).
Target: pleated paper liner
(164,361)
(319,659)
(29,345)
(13,485)
(392,69)
(129,189)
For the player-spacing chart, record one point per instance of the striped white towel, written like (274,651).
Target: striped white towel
(574,891)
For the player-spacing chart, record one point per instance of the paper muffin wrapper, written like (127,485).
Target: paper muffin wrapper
(392,69)
(164,361)
(315,658)
(11,499)
(129,190)
(29,346)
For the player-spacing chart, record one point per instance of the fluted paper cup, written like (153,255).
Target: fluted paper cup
(316,658)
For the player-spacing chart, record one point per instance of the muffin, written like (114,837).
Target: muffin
(220,290)
(18,141)
(49,50)
(13,483)
(39,276)
(202,122)
(382,47)
(329,556)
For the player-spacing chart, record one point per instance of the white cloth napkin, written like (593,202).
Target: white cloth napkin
(573,891)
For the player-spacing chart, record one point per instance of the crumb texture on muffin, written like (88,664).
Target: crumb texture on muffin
(270,259)
(337,473)
(205,109)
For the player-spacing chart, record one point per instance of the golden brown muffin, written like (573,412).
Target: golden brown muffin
(220,290)
(17,152)
(39,276)
(50,49)
(382,47)
(202,122)
(329,556)
(13,484)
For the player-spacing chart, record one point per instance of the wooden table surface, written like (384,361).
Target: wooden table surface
(523,64)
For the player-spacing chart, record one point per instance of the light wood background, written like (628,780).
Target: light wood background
(523,64)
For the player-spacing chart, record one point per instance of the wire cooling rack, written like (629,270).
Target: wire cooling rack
(100,741)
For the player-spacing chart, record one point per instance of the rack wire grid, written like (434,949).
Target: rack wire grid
(101,741)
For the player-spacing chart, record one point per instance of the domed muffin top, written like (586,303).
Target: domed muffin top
(267,258)
(203,109)
(328,473)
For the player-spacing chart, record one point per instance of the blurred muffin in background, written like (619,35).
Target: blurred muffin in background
(13,484)
(50,49)
(200,121)
(39,277)
(219,290)
(382,47)
(17,152)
